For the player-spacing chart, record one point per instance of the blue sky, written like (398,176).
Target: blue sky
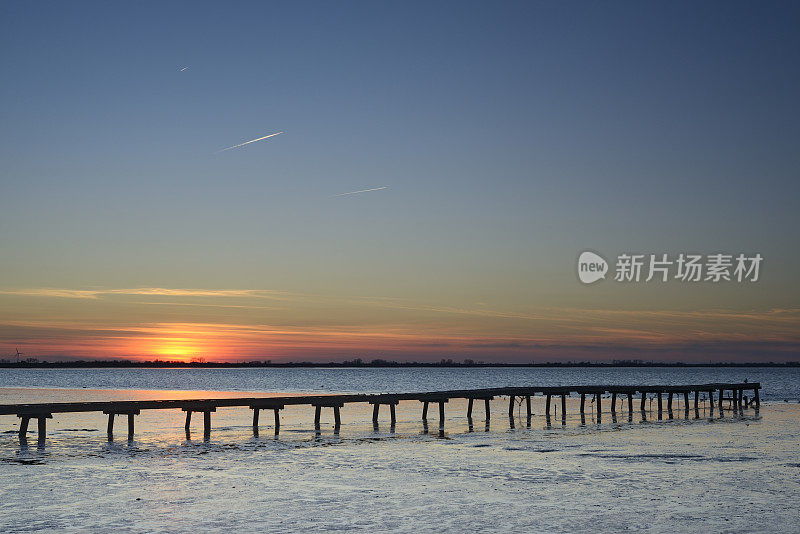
(511,137)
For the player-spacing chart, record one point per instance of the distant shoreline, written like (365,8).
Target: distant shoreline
(84,364)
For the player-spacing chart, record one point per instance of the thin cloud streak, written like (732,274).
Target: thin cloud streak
(248,142)
(182,69)
(361,191)
(145,291)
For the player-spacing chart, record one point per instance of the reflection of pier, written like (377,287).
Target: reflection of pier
(737,401)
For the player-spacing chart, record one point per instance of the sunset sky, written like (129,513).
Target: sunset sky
(501,139)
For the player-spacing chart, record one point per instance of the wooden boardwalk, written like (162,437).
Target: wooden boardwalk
(737,400)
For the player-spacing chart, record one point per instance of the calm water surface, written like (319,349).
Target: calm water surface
(778,383)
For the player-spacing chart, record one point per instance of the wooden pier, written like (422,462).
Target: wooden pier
(716,392)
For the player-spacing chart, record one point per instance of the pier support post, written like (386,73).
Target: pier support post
(644,399)
(721,396)
(392,403)
(441,414)
(630,403)
(112,413)
(207,423)
(669,401)
(337,418)
(257,407)
(613,403)
(42,427)
(599,397)
(424,410)
(206,409)
(711,402)
(23,426)
(469,408)
(41,419)
(511,405)
(547,406)
(528,405)
(686,402)
(317,410)
(563,407)
(756,399)
(696,400)
(659,403)
(583,402)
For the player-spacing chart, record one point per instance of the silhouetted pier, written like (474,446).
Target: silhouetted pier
(737,401)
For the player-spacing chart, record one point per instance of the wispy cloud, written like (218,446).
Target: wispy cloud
(143,291)
(248,142)
(361,191)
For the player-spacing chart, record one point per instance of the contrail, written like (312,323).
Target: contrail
(362,191)
(248,142)
(182,69)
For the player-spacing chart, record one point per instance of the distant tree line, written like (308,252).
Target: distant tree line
(358,362)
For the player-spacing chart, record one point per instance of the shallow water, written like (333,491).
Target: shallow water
(729,473)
